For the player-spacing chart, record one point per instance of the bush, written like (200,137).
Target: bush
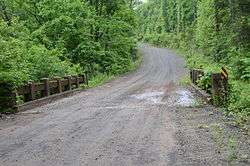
(54,38)
(20,63)
(205,82)
(241,64)
(240,97)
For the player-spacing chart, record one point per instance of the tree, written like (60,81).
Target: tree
(70,36)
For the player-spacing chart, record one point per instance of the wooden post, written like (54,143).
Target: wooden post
(77,82)
(69,87)
(193,77)
(32,91)
(46,87)
(86,80)
(217,89)
(7,98)
(70,82)
(83,78)
(59,85)
(191,74)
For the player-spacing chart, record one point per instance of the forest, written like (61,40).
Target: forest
(210,34)
(44,38)
(49,38)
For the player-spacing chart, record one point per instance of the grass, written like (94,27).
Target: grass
(100,79)
(137,62)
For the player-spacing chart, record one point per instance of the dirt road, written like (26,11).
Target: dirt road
(143,118)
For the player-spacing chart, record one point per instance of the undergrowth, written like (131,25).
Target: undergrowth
(101,78)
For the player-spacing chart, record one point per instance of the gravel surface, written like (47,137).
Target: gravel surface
(142,118)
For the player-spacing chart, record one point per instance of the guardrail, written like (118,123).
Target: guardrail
(33,91)
(219,85)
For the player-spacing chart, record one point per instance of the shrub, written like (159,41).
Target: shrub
(205,82)
(240,97)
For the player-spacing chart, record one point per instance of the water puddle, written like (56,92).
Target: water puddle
(154,97)
(179,97)
(185,98)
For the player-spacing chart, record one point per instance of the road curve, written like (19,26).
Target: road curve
(131,120)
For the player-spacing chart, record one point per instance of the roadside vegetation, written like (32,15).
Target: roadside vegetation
(101,78)
(47,38)
(211,34)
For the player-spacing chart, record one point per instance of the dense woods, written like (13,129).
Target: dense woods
(211,33)
(44,38)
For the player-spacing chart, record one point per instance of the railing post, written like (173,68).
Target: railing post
(7,98)
(193,77)
(86,80)
(77,82)
(69,87)
(32,90)
(191,74)
(46,87)
(59,85)
(196,77)
(217,89)
(70,82)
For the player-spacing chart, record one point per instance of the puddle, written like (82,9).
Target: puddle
(174,98)
(154,97)
(185,98)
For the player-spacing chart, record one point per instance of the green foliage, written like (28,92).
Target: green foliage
(205,82)
(185,81)
(21,60)
(241,65)
(11,58)
(54,38)
(205,31)
(150,18)
(240,101)
(99,79)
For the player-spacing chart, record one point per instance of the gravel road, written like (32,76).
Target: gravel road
(142,118)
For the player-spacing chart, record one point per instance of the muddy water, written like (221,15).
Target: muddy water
(180,97)
(151,97)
